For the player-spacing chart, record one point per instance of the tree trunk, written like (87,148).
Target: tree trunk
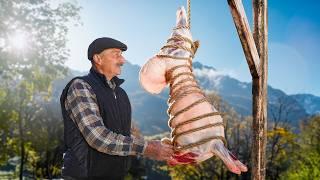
(22,152)
(259,91)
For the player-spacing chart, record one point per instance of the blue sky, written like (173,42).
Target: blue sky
(144,25)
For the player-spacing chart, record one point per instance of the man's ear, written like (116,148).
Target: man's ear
(96,59)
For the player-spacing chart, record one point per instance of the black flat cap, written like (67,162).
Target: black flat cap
(100,44)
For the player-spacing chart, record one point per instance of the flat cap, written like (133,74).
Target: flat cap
(100,44)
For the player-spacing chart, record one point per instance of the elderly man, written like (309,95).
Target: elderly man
(97,119)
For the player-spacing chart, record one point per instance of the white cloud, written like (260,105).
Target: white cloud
(213,75)
(243,85)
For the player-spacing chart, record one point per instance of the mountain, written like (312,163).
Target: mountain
(238,95)
(149,111)
(310,102)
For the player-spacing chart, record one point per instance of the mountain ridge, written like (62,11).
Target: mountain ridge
(149,111)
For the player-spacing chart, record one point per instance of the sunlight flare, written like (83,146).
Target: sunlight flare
(19,40)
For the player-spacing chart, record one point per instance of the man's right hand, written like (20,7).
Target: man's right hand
(158,151)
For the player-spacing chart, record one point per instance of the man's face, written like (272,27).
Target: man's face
(111,61)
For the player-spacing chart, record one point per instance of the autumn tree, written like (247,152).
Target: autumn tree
(32,54)
(280,137)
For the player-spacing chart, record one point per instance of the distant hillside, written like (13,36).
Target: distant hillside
(310,102)
(238,94)
(149,111)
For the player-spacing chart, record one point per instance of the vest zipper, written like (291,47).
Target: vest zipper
(118,108)
(114,94)
(113,87)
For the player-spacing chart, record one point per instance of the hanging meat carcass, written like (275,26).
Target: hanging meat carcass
(197,128)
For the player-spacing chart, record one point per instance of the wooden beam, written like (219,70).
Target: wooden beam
(245,35)
(259,91)
(256,51)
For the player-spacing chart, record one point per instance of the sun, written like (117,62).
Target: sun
(19,40)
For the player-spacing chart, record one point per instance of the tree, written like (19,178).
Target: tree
(280,147)
(280,142)
(305,162)
(32,53)
(49,145)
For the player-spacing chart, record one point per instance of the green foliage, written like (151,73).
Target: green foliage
(305,162)
(281,145)
(30,127)
(44,28)
(185,172)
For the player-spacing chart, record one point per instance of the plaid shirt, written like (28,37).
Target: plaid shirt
(81,104)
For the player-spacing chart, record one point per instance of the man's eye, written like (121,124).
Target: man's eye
(117,53)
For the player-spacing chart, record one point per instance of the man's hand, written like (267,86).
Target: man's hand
(158,151)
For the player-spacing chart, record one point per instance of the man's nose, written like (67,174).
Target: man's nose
(123,60)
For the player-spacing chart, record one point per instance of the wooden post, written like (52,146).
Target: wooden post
(259,90)
(256,52)
(245,35)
